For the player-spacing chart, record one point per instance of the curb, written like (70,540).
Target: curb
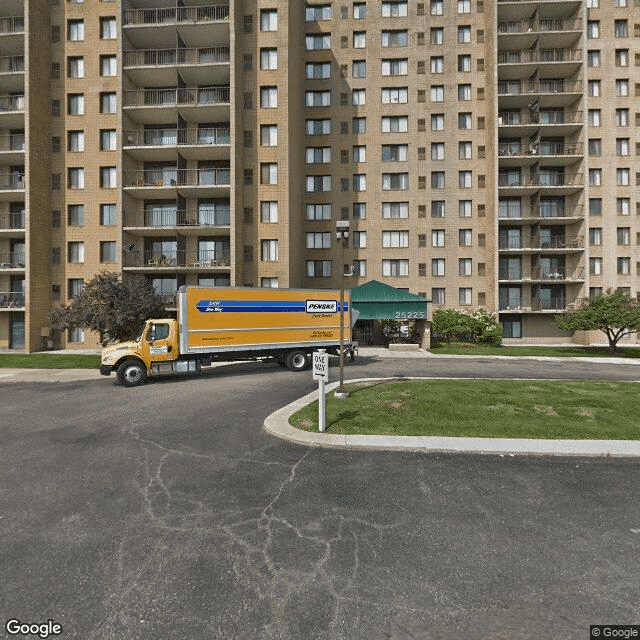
(277,424)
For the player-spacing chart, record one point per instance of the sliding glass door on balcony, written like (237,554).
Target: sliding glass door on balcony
(162,214)
(214,213)
(510,298)
(510,208)
(510,239)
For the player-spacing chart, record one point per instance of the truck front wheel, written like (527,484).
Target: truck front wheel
(297,360)
(132,373)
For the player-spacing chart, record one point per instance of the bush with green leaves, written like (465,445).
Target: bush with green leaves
(459,326)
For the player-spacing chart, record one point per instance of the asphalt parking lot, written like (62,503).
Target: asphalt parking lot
(165,511)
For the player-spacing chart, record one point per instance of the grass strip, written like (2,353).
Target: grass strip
(463,348)
(48,361)
(482,409)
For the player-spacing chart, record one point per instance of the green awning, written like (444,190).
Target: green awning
(377,301)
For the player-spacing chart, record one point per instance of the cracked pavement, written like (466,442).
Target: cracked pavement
(165,512)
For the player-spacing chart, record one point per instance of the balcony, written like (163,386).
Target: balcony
(203,182)
(554,304)
(541,243)
(176,260)
(196,65)
(12,225)
(12,260)
(198,219)
(209,143)
(552,122)
(558,93)
(9,26)
(541,274)
(564,213)
(11,300)
(11,181)
(520,27)
(542,148)
(525,183)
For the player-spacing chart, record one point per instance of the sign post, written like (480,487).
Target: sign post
(321,374)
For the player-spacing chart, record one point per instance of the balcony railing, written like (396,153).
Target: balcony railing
(173,15)
(535,304)
(558,179)
(11,300)
(12,142)
(199,96)
(12,260)
(215,177)
(204,259)
(12,25)
(11,221)
(541,273)
(203,217)
(11,103)
(506,149)
(11,64)
(537,26)
(540,242)
(539,55)
(173,137)
(539,117)
(11,182)
(517,87)
(172,57)
(555,211)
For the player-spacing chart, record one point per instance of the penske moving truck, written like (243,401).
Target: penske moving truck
(233,323)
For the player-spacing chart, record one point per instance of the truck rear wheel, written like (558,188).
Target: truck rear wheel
(297,360)
(132,373)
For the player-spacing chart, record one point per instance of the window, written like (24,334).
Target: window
(107,252)
(437,267)
(318,212)
(621,29)
(437,93)
(317,42)
(395,268)
(464,92)
(76,335)
(317,98)
(464,121)
(436,7)
(74,287)
(595,236)
(464,208)
(318,184)
(269,283)
(436,35)
(268,59)
(437,150)
(268,20)
(593,29)
(317,13)
(437,237)
(595,177)
(464,237)
(464,63)
(465,150)
(359,153)
(622,87)
(623,206)
(593,88)
(75,67)
(593,117)
(623,235)
(359,239)
(107,215)
(317,70)
(359,39)
(595,266)
(359,70)
(75,251)
(359,10)
(395,124)
(108,28)
(395,181)
(108,66)
(464,34)
(318,240)
(395,152)
(622,117)
(268,173)
(318,155)
(595,147)
(622,146)
(595,206)
(395,66)
(623,177)
(437,64)
(437,295)
(269,135)
(76,178)
(76,215)
(392,210)
(269,97)
(437,179)
(394,95)
(464,295)
(75,30)
(359,181)
(437,122)
(269,250)
(108,177)
(358,97)
(359,211)
(268,211)
(464,6)
(75,141)
(593,58)
(318,127)
(394,9)
(465,267)
(107,140)
(622,57)
(319,268)
(360,268)
(395,239)
(624,266)
(107,102)
(395,38)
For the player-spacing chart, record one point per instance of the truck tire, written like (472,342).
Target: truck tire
(297,360)
(132,373)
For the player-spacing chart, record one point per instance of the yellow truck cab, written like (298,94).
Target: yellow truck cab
(223,324)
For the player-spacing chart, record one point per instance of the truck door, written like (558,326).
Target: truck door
(159,342)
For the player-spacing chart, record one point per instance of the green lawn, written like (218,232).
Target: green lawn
(483,408)
(48,361)
(463,348)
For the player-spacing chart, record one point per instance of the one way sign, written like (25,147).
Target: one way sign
(321,366)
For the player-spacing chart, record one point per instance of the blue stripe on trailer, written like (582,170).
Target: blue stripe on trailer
(252,306)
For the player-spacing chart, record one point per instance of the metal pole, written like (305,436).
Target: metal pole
(341,387)
(322,408)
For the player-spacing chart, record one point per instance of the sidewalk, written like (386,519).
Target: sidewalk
(277,424)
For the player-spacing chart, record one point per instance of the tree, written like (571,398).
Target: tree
(614,313)
(114,308)
(456,325)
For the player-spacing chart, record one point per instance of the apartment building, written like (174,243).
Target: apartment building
(484,153)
